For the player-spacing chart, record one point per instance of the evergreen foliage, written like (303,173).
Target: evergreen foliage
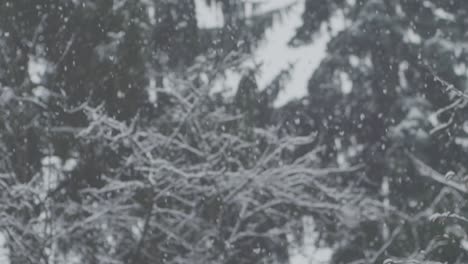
(115,150)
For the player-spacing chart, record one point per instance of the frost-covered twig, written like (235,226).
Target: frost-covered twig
(427,171)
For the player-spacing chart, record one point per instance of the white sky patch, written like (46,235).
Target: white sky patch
(269,5)
(274,54)
(460,69)
(228,83)
(346,83)
(442,14)
(41,93)
(439,12)
(36,69)
(464,244)
(51,174)
(151,14)
(51,161)
(4,250)
(151,89)
(209,16)
(354,60)
(402,68)
(308,253)
(70,164)
(412,37)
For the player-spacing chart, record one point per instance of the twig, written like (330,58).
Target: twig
(395,233)
(427,171)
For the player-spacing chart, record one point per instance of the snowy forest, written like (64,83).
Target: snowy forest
(233,131)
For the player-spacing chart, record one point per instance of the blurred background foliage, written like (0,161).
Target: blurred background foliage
(115,92)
